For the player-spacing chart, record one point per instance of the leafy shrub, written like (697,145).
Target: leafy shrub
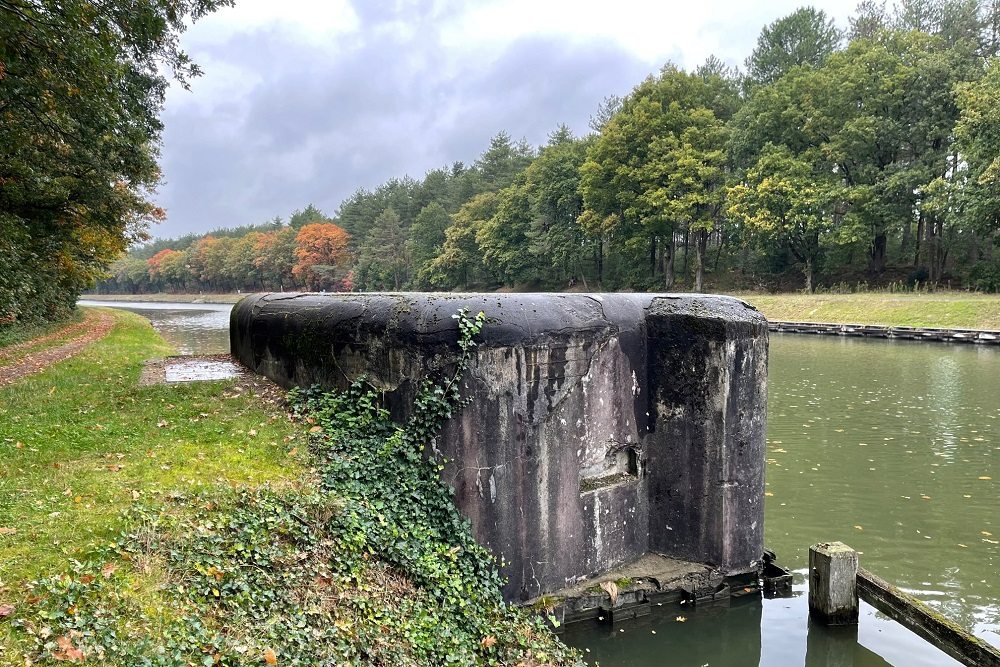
(985,276)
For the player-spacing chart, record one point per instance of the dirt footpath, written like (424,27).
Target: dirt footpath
(16,362)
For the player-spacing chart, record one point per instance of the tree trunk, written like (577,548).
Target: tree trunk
(668,263)
(931,250)
(718,250)
(907,237)
(877,256)
(920,233)
(808,271)
(684,265)
(652,257)
(600,261)
(701,241)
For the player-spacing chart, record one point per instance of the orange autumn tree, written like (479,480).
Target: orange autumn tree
(321,255)
(168,270)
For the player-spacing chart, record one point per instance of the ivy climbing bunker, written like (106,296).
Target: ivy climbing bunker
(604,432)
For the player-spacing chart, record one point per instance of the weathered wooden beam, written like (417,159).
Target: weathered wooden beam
(916,616)
(833,596)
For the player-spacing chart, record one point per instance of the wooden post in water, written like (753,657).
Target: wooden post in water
(836,581)
(833,590)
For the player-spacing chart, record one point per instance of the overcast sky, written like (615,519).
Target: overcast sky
(306,101)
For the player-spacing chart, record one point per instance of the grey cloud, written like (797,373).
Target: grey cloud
(325,120)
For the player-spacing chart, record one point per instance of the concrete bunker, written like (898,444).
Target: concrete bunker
(603,428)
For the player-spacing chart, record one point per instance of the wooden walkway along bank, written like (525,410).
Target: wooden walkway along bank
(976,336)
(836,582)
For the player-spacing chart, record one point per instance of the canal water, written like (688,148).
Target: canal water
(192,328)
(889,446)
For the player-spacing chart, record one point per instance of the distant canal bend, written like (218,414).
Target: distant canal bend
(890,446)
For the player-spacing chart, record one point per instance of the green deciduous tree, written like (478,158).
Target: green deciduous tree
(81,88)
(784,199)
(978,135)
(624,180)
(460,262)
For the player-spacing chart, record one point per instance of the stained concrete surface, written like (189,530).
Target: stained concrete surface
(602,427)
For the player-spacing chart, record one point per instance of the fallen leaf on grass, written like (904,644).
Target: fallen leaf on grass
(162,423)
(67,652)
(108,570)
(5,530)
(270,657)
(293,451)
(487,642)
(6,610)
(316,429)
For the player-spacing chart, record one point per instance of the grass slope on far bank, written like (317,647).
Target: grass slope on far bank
(941,310)
(164,297)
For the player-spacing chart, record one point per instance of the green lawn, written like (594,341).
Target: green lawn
(81,442)
(946,310)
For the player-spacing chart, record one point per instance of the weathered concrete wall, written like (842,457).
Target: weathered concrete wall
(602,426)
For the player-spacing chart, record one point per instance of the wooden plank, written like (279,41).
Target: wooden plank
(916,616)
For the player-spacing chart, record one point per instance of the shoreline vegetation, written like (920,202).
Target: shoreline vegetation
(920,309)
(223,523)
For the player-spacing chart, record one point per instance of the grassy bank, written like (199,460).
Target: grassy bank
(204,524)
(81,442)
(944,310)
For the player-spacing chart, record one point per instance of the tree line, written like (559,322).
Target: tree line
(863,154)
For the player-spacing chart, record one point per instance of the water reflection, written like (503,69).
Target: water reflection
(192,328)
(752,631)
(721,634)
